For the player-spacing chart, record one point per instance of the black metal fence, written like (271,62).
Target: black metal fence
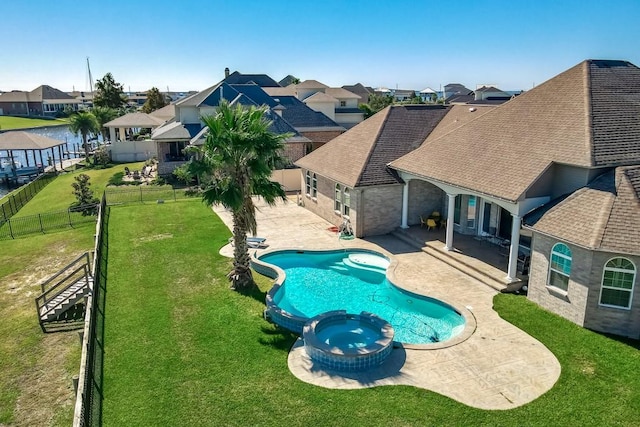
(149,194)
(88,410)
(48,221)
(16,200)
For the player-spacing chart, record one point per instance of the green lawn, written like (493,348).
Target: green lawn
(8,122)
(36,368)
(58,194)
(182,349)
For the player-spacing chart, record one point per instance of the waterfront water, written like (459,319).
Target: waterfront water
(72,143)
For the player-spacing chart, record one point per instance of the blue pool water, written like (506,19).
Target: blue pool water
(317,282)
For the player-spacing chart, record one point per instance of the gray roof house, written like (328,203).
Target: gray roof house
(577,134)
(41,101)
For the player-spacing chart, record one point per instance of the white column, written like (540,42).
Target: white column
(112,135)
(451,206)
(513,250)
(405,204)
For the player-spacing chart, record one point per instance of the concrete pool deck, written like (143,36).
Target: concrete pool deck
(497,367)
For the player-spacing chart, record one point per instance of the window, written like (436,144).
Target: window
(308,183)
(471,212)
(337,206)
(456,209)
(617,283)
(347,201)
(560,266)
(314,186)
(343,103)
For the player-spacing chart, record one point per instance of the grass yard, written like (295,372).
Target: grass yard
(58,194)
(182,349)
(36,368)
(8,122)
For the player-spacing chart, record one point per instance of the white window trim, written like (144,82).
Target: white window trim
(620,270)
(314,186)
(568,276)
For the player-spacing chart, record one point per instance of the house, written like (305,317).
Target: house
(348,176)
(428,95)
(362,91)
(564,157)
(338,104)
(41,101)
(454,90)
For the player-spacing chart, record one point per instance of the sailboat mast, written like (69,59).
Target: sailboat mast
(90,77)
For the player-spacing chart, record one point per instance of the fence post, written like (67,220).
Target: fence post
(10,229)
(4,214)
(13,209)
(174,195)
(41,226)
(69,215)
(140,194)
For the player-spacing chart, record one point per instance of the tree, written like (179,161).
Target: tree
(109,93)
(84,123)
(155,100)
(85,203)
(234,164)
(376,103)
(104,115)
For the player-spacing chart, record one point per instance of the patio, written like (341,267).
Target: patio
(497,367)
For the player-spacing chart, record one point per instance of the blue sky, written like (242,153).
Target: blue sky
(186,44)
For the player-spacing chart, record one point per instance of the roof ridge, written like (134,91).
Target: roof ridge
(375,141)
(588,110)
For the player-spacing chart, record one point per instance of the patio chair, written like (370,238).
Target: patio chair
(431,224)
(443,224)
(423,221)
(127,171)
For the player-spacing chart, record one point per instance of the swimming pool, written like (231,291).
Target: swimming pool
(355,281)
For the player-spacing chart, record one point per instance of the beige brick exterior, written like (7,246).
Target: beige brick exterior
(580,304)
(424,198)
(294,150)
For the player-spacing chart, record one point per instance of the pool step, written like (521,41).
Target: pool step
(349,263)
(339,267)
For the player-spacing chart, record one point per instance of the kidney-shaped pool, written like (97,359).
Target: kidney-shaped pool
(353,280)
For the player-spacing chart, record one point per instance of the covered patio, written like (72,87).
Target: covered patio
(29,143)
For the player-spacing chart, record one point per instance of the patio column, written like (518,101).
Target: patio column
(451,206)
(513,249)
(112,135)
(405,204)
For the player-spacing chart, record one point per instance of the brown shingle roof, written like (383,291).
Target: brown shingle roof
(601,216)
(504,151)
(359,156)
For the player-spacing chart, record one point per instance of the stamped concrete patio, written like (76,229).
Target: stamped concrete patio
(497,367)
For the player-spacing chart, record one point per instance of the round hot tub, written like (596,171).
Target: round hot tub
(348,342)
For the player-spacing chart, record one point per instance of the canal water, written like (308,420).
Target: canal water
(72,144)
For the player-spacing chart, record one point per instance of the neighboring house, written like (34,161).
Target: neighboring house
(565,156)
(403,94)
(491,93)
(338,104)
(42,101)
(187,127)
(348,176)
(454,90)
(85,98)
(362,91)
(428,95)
(126,142)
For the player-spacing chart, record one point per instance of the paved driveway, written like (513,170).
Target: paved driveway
(497,367)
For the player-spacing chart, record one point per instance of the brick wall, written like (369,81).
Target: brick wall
(580,304)
(382,209)
(319,138)
(424,198)
(294,151)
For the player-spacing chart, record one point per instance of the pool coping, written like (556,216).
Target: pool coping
(297,323)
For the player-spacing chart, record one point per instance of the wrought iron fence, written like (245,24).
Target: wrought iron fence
(146,194)
(47,221)
(16,200)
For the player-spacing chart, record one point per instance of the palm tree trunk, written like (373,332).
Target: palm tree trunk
(241,276)
(86,147)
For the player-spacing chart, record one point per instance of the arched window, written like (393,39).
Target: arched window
(308,183)
(618,278)
(337,206)
(314,186)
(347,201)
(560,266)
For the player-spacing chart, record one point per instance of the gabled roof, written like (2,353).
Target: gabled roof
(358,89)
(340,93)
(300,116)
(321,97)
(587,116)
(262,80)
(165,113)
(135,120)
(281,91)
(428,90)
(601,216)
(311,84)
(256,93)
(46,92)
(287,80)
(359,156)
(175,131)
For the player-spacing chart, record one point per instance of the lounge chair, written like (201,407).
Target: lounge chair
(253,242)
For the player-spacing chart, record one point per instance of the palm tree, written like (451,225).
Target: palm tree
(234,164)
(104,115)
(84,123)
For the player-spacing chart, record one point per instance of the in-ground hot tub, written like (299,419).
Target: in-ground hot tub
(348,342)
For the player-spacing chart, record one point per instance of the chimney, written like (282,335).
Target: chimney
(226,72)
